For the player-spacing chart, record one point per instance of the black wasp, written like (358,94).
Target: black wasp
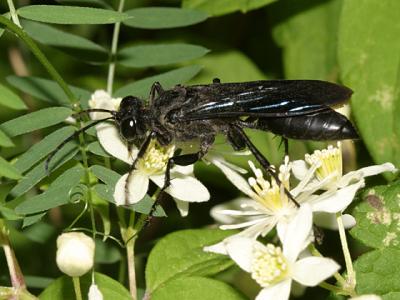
(296,109)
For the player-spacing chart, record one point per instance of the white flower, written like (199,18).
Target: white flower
(95,293)
(267,207)
(274,268)
(339,189)
(75,253)
(184,186)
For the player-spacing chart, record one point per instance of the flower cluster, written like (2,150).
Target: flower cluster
(322,192)
(321,195)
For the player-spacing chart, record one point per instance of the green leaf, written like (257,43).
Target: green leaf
(36,120)
(196,288)
(377,217)
(5,141)
(141,88)
(369,58)
(225,65)
(38,281)
(163,17)
(106,253)
(9,99)
(159,54)
(58,14)
(96,148)
(40,232)
(49,35)
(9,214)
(43,148)
(108,176)
(222,7)
(57,194)
(71,44)
(180,254)
(38,173)
(308,37)
(62,288)
(105,192)
(8,170)
(379,266)
(47,90)
(32,219)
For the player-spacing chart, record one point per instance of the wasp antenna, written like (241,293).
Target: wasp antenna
(87,111)
(70,138)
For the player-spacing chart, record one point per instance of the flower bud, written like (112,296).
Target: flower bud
(75,253)
(94,293)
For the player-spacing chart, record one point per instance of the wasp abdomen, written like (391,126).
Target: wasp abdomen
(322,126)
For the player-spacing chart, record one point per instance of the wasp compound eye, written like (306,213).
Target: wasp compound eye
(128,129)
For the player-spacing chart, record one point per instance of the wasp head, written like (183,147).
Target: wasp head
(129,118)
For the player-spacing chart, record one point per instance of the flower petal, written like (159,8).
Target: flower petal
(219,248)
(185,188)
(365,172)
(137,186)
(310,271)
(336,201)
(234,177)
(297,233)
(377,169)
(111,141)
(240,249)
(328,220)
(279,291)
(102,99)
(183,207)
(186,170)
(229,212)
(94,293)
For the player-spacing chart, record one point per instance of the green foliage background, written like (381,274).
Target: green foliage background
(352,42)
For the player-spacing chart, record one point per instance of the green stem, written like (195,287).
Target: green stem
(314,251)
(114,45)
(13,13)
(130,256)
(17,278)
(77,288)
(129,236)
(87,180)
(351,275)
(332,288)
(40,56)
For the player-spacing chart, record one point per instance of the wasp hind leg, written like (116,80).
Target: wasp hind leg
(240,134)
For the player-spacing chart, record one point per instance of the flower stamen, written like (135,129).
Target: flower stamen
(155,159)
(268,265)
(268,193)
(329,162)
